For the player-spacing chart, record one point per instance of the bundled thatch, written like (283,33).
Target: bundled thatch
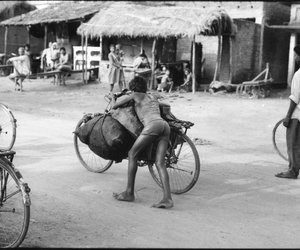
(157,20)
(9,9)
(59,12)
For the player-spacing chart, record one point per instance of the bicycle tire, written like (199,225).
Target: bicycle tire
(176,173)
(11,239)
(8,128)
(87,157)
(274,140)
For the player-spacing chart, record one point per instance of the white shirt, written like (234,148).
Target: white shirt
(295,94)
(21,64)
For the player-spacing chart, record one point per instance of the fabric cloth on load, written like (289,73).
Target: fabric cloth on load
(126,115)
(107,138)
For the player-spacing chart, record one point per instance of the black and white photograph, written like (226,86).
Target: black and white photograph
(149,124)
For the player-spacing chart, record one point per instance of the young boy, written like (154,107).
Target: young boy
(187,85)
(155,129)
(166,82)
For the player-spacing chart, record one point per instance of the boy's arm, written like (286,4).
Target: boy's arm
(121,102)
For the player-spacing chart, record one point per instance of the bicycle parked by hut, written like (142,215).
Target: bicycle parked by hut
(14,192)
(182,158)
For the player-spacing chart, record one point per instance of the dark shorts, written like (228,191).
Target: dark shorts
(158,128)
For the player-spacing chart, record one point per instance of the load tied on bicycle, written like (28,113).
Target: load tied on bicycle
(137,127)
(14,192)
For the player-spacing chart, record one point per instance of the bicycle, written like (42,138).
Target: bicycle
(14,192)
(182,159)
(8,128)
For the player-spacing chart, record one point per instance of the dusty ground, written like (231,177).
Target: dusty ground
(237,201)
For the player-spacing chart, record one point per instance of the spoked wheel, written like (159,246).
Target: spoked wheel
(279,140)
(87,157)
(183,166)
(14,208)
(7,128)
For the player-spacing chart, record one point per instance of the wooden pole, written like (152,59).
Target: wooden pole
(194,65)
(86,64)
(218,63)
(261,45)
(230,60)
(45,36)
(82,65)
(291,67)
(153,64)
(142,45)
(5,42)
(28,33)
(100,59)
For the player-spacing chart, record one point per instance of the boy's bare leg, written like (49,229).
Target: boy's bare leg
(141,142)
(167,201)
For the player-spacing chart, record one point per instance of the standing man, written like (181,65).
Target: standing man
(292,123)
(46,63)
(120,55)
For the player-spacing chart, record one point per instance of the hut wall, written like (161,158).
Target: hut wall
(245,51)
(276,41)
(17,36)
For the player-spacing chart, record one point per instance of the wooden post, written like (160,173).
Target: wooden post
(86,65)
(218,63)
(194,65)
(100,59)
(5,43)
(261,45)
(45,36)
(230,59)
(153,64)
(28,32)
(82,65)
(142,45)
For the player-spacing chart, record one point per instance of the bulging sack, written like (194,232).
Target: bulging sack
(106,137)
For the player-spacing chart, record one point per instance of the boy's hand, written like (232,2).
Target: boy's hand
(286,122)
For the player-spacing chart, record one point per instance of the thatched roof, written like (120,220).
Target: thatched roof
(9,9)
(59,12)
(157,20)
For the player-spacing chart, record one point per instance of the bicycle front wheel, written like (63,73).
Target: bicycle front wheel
(14,208)
(7,128)
(87,157)
(183,166)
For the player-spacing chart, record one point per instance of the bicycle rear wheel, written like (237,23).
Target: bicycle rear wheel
(279,139)
(87,157)
(7,128)
(14,207)
(183,166)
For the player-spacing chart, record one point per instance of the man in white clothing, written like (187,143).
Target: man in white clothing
(292,123)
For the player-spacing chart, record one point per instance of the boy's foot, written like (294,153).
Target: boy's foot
(123,196)
(287,174)
(164,204)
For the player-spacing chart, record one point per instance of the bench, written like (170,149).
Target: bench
(55,73)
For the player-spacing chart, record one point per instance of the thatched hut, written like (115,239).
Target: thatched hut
(161,21)
(58,22)
(15,37)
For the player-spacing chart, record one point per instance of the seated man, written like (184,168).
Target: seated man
(64,65)
(21,65)
(187,85)
(166,83)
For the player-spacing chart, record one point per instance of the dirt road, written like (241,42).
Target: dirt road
(237,201)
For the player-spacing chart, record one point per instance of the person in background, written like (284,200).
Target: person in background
(166,84)
(54,55)
(159,74)
(155,129)
(46,62)
(64,65)
(187,85)
(28,53)
(141,62)
(120,54)
(114,68)
(292,123)
(21,65)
